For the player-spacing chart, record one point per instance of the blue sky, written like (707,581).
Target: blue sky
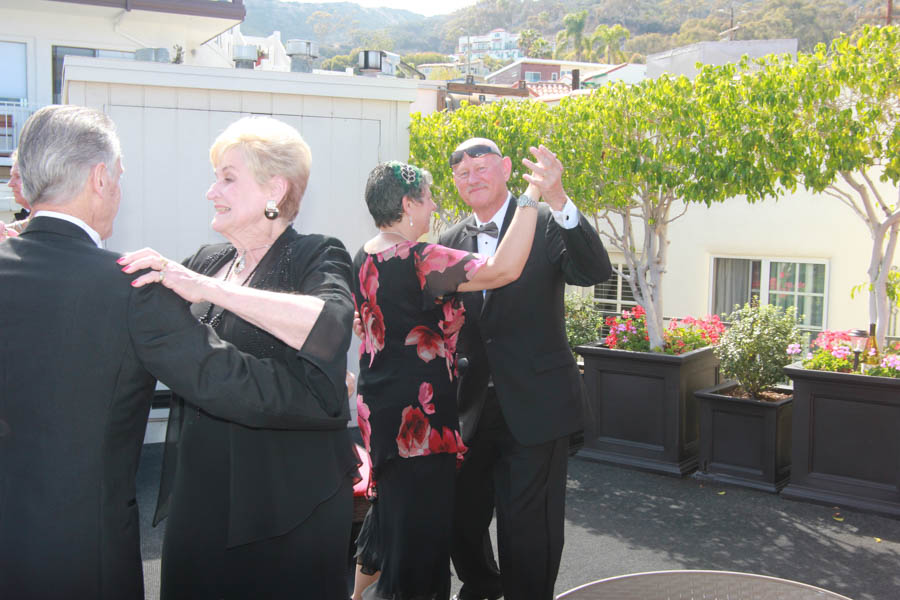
(417,6)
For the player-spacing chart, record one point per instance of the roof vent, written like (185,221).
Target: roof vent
(302,53)
(244,57)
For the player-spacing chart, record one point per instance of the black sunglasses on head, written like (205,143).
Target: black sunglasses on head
(472,152)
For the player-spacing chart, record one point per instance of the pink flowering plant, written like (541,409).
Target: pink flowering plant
(629,332)
(833,351)
(890,363)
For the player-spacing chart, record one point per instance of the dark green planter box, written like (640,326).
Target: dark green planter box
(644,407)
(745,442)
(846,440)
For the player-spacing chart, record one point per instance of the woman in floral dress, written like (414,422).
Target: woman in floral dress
(410,317)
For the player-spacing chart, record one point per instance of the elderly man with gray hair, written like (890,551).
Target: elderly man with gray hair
(86,347)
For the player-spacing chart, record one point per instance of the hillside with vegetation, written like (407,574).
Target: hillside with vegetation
(605,30)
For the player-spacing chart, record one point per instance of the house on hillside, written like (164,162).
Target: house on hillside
(475,67)
(498,44)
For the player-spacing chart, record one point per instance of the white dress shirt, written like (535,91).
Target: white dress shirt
(74,221)
(567,218)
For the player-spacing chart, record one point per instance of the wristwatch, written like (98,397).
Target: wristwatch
(526,201)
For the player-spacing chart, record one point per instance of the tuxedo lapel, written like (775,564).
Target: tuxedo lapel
(507,219)
(474,301)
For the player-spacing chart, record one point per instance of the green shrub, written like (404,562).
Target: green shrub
(583,320)
(754,349)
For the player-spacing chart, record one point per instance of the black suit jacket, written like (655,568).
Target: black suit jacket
(79,355)
(516,334)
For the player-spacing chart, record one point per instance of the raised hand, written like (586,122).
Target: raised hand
(546,176)
(6,232)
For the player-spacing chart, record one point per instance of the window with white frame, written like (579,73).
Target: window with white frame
(13,69)
(614,294)
(782,282)
(532,76)
(554,76)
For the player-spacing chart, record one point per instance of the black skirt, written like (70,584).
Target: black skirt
(406,534)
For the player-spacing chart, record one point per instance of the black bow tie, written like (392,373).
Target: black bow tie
(488,229)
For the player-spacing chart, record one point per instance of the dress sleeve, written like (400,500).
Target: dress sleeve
(323,271)
(441,270)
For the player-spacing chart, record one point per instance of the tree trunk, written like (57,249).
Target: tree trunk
(882,313)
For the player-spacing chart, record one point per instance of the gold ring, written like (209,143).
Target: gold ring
(161,276)
(164,263)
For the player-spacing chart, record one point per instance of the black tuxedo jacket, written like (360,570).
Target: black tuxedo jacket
(516,335)
(80,350)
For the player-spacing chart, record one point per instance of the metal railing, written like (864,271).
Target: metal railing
(12,116)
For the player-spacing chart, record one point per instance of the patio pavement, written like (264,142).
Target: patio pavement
(622,521)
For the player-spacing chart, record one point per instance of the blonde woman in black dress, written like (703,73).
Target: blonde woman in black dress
(261,513)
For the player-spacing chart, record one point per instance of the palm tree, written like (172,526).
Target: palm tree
(572,35)
(606,44)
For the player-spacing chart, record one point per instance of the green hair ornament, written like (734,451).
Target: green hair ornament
(408,175)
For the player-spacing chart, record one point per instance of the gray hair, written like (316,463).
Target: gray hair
(58,148)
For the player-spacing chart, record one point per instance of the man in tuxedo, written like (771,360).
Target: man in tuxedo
(520,396)
(80,354)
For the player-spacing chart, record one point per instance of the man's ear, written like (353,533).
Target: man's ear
(98,178)
(507,167)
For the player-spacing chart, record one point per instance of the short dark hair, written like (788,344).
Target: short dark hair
(386,187)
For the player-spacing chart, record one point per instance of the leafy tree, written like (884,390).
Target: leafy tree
(527,39)
(372,40)
(637,156)
(646,153)
(838,118)
(698,30)
(323,23)
(494,64)
(572,37)
(445,73)
(541,49)
(340,62)
(513,125)
(810,21)
(649,43)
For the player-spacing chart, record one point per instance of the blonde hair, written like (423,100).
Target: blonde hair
(271,148)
